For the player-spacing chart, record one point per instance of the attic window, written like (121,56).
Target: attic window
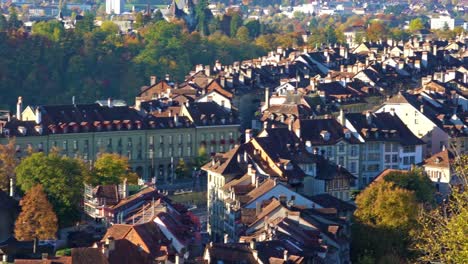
(325,135)
(347,135)
(22,130)
(438,160)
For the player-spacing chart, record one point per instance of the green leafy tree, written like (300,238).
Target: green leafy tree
(13,21)
(414,180)
(202,157)
(111,168)
(236,22)
(181,168)
(52,30)
(254,28)
(3,22)
(203,15)
(416,25)
(243,34)
(443,236)
(110,27)
(37,218)
(383,210)
(86,24)
(61,177)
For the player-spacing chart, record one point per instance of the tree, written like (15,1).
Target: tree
(86,24)
(13,21)
(236,22)
(8,163)
(383,210)
(61,177)
(181,168)
(243,34)
(111,168)
(416,181)
(52,30)
(376,31)
(3,22)
(202,15)
(37,218)
(202,157)
(110,27)
(443,235)
(416,25)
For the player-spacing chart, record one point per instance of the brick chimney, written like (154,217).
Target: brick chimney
(19,108)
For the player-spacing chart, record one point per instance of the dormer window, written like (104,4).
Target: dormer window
(347,135)
(22,130)
(6,132)
(325,135)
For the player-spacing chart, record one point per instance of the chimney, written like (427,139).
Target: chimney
(253,244)
(35,242)
(152,80)
(341,117)
(105,250)
(124,193)
(110,242)
(248,135)
(109,102)
(198,68)
(207,70)
(434,49)
(257,181)
(38,116)
(226,238)
(308,145)
(44,256)
(5,258)
(369,118)
(19,108)
(424,58)
(168,77)
(421,108)
(267,98)
(176,119)
(258,208)
(392,111)
(12,187)
(249,171)
(285,255)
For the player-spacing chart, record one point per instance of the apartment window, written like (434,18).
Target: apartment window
(341,147)
(388,158)
(373,156)
(189,138)
(394,158)
(352,167)
(203,137)
(329,151)
(161,139)
(170,139)
(341,160)
(354,151)
(180,138)
(388,147)
(406,161)
(212,136)
(179,151)
(231,135)
(75,145)
(412,159)
(65,145)
(221,148)
(169,152)
(408,149)
(161,152)
(416,121)
(129,143)
(189,151)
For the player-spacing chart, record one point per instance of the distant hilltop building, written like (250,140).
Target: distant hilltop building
(115,6)
(442,21)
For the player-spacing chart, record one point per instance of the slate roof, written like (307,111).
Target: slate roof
(210,113)
(311,130)
(382,127)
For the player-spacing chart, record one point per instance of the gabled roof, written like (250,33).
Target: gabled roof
(382,127)
(442,159)
(312,129)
